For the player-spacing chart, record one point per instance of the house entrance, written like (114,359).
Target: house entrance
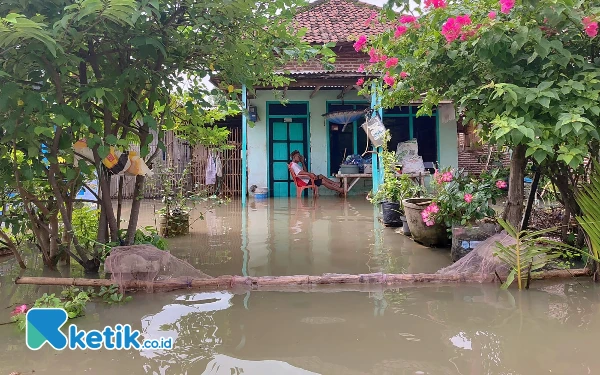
(287,132)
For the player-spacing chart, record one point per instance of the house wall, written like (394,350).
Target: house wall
(257,136)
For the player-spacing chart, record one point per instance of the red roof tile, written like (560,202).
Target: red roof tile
(337,20)
(347,61)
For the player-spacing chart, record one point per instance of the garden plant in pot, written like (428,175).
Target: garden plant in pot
(179,202)
(393,192)
(459,203)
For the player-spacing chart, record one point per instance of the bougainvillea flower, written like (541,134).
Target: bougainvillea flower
(506,6)
(407,18)
(492,15)
(590,27)
(400,30)
(372,18)
(391,62)
(360,43)
(463,20)
(361,68)
(468,198)
(389,80)
(403,75)
(360,81)
(435,3)
(451,30)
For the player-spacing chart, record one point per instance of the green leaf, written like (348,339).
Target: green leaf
(111,139)
(544,101)
(103,151)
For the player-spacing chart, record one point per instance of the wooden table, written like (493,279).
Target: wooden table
(354,177)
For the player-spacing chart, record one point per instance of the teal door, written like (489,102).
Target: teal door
(285,137)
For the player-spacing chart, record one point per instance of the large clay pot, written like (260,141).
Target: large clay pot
(433,236)
(391,214)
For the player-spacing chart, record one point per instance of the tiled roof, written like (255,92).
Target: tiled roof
(347,61)
(337,20)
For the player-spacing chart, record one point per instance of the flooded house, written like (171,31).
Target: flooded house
(299,124)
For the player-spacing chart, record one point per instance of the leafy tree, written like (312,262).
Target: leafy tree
(528,72)
(107,70)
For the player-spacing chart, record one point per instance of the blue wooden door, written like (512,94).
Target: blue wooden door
(285,137)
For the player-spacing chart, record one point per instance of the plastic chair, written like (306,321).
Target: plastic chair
(300,189)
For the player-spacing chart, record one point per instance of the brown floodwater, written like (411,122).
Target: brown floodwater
(435,329)
(296,237)
(459,329)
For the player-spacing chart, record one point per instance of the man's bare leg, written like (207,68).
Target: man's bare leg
(330,184)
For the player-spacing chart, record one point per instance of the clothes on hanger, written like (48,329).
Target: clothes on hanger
(211,169)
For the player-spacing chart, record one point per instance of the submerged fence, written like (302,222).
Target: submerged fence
(179,155)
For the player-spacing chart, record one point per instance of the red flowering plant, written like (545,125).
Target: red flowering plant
(525,70)
(459,199)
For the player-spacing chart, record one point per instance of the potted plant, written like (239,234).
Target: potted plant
(457,202)
(175,214)
(394,190)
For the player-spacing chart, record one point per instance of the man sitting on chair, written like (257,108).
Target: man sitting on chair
(301,172)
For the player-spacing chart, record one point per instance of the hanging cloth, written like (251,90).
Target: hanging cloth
(211,170)
(219,165)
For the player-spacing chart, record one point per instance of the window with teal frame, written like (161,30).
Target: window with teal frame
(402,122)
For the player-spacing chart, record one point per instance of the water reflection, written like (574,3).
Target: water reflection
(291,236)
(461,329)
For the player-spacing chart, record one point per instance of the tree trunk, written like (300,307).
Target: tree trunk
(513,212)
(138,196)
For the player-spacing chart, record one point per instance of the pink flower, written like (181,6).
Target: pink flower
(407,18)
(22,309)
(501,184)
(400,30)
(463,20)
(451,30)
(446,176)
(372,17)
(403,75)
(492,15)
(468,198)
(360,43)
(506,6)
(361,68)
(389,80)
(391,62)
(591,27)
(429,223)
(374,55)
(360,81)
(435,3)
(433,207)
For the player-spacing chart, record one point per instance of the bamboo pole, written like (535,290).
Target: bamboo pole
(362,282)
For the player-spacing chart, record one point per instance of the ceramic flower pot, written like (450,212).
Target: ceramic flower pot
(430,236)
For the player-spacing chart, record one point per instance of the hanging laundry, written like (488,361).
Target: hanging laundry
(219,165)
(211,170)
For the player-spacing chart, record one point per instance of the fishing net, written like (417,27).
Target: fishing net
(481,262)
(147,263)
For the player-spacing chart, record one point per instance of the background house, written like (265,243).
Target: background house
(299,124)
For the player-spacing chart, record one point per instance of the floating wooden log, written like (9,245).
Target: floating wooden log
(294,283)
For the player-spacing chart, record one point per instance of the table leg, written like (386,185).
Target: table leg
(345,186)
